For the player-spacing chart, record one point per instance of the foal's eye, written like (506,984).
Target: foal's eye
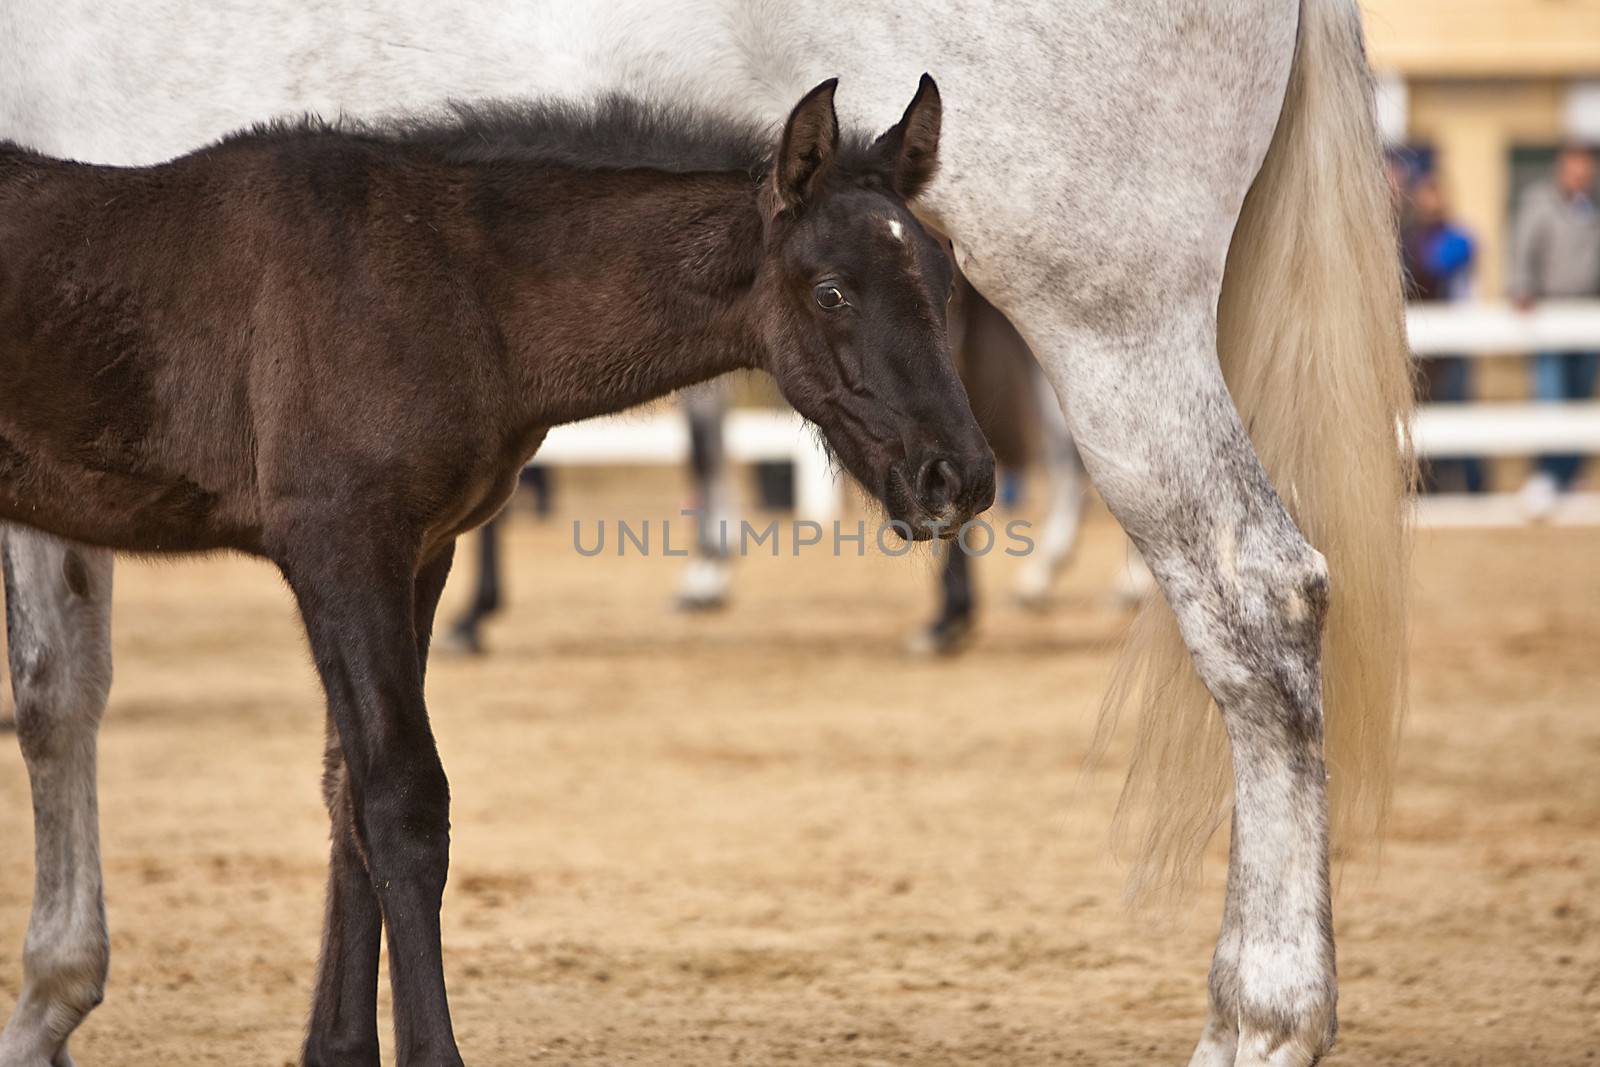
(829,297)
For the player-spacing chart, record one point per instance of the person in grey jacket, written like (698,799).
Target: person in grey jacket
(1555,254)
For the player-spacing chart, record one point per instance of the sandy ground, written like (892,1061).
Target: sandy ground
(768,837)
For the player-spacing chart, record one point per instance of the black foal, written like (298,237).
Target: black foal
(335,348)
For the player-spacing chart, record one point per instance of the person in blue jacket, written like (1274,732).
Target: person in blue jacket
(1438,258)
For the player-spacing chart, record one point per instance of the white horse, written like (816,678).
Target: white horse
(1179,203)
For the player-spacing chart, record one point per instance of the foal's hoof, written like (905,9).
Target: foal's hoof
(944,638)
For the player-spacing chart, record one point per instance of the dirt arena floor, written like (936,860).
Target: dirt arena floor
(768,837)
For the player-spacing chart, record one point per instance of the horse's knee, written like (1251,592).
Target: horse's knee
(1253,617)
(405,819)
(1285,592)
(1304,585)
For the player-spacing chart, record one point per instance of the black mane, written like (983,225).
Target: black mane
(611,132)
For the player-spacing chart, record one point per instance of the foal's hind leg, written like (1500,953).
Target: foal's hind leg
(1160,436)
(58,615)
(344,1010)
(361,609)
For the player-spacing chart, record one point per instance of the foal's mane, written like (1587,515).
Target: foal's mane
(609,132)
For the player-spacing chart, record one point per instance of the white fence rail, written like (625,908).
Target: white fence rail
(1505,429)
(1491,329)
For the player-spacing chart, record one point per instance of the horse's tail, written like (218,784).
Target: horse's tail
(1311,334)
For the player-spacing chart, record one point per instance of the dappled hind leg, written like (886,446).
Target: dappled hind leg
(1272,983)
(1164,444)
(361,609)
(1059,537)
(58,615)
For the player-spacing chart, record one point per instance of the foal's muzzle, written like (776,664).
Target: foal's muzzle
(940,492)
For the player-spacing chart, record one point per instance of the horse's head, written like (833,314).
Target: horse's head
(853,292)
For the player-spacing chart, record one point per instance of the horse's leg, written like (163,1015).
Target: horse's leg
(705,581)
(1060,535)
(1134,582)
(344,1004)
(948,634)
(426,591)
(464,634)
(344,1010)
(1160,435)
(363,627)
(58,622)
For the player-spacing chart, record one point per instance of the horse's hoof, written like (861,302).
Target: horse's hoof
(1034,584)
(704,586)
(944,638)
(459,642)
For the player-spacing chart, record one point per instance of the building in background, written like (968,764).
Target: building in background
(1487,90)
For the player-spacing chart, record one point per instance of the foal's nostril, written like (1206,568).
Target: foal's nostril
(938,484)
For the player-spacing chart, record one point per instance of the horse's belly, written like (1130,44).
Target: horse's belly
(76,498)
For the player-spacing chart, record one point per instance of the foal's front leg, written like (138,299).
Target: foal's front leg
(58,613)
(367,620)
(344,1010)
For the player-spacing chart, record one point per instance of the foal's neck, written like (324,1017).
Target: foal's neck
(626,285)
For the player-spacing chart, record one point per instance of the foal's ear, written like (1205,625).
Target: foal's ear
(910,148)
(809,146)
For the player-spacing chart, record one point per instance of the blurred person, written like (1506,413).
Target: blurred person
(1555,253)
(1438,259)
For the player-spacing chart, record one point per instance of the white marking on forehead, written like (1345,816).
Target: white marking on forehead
(897,231)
